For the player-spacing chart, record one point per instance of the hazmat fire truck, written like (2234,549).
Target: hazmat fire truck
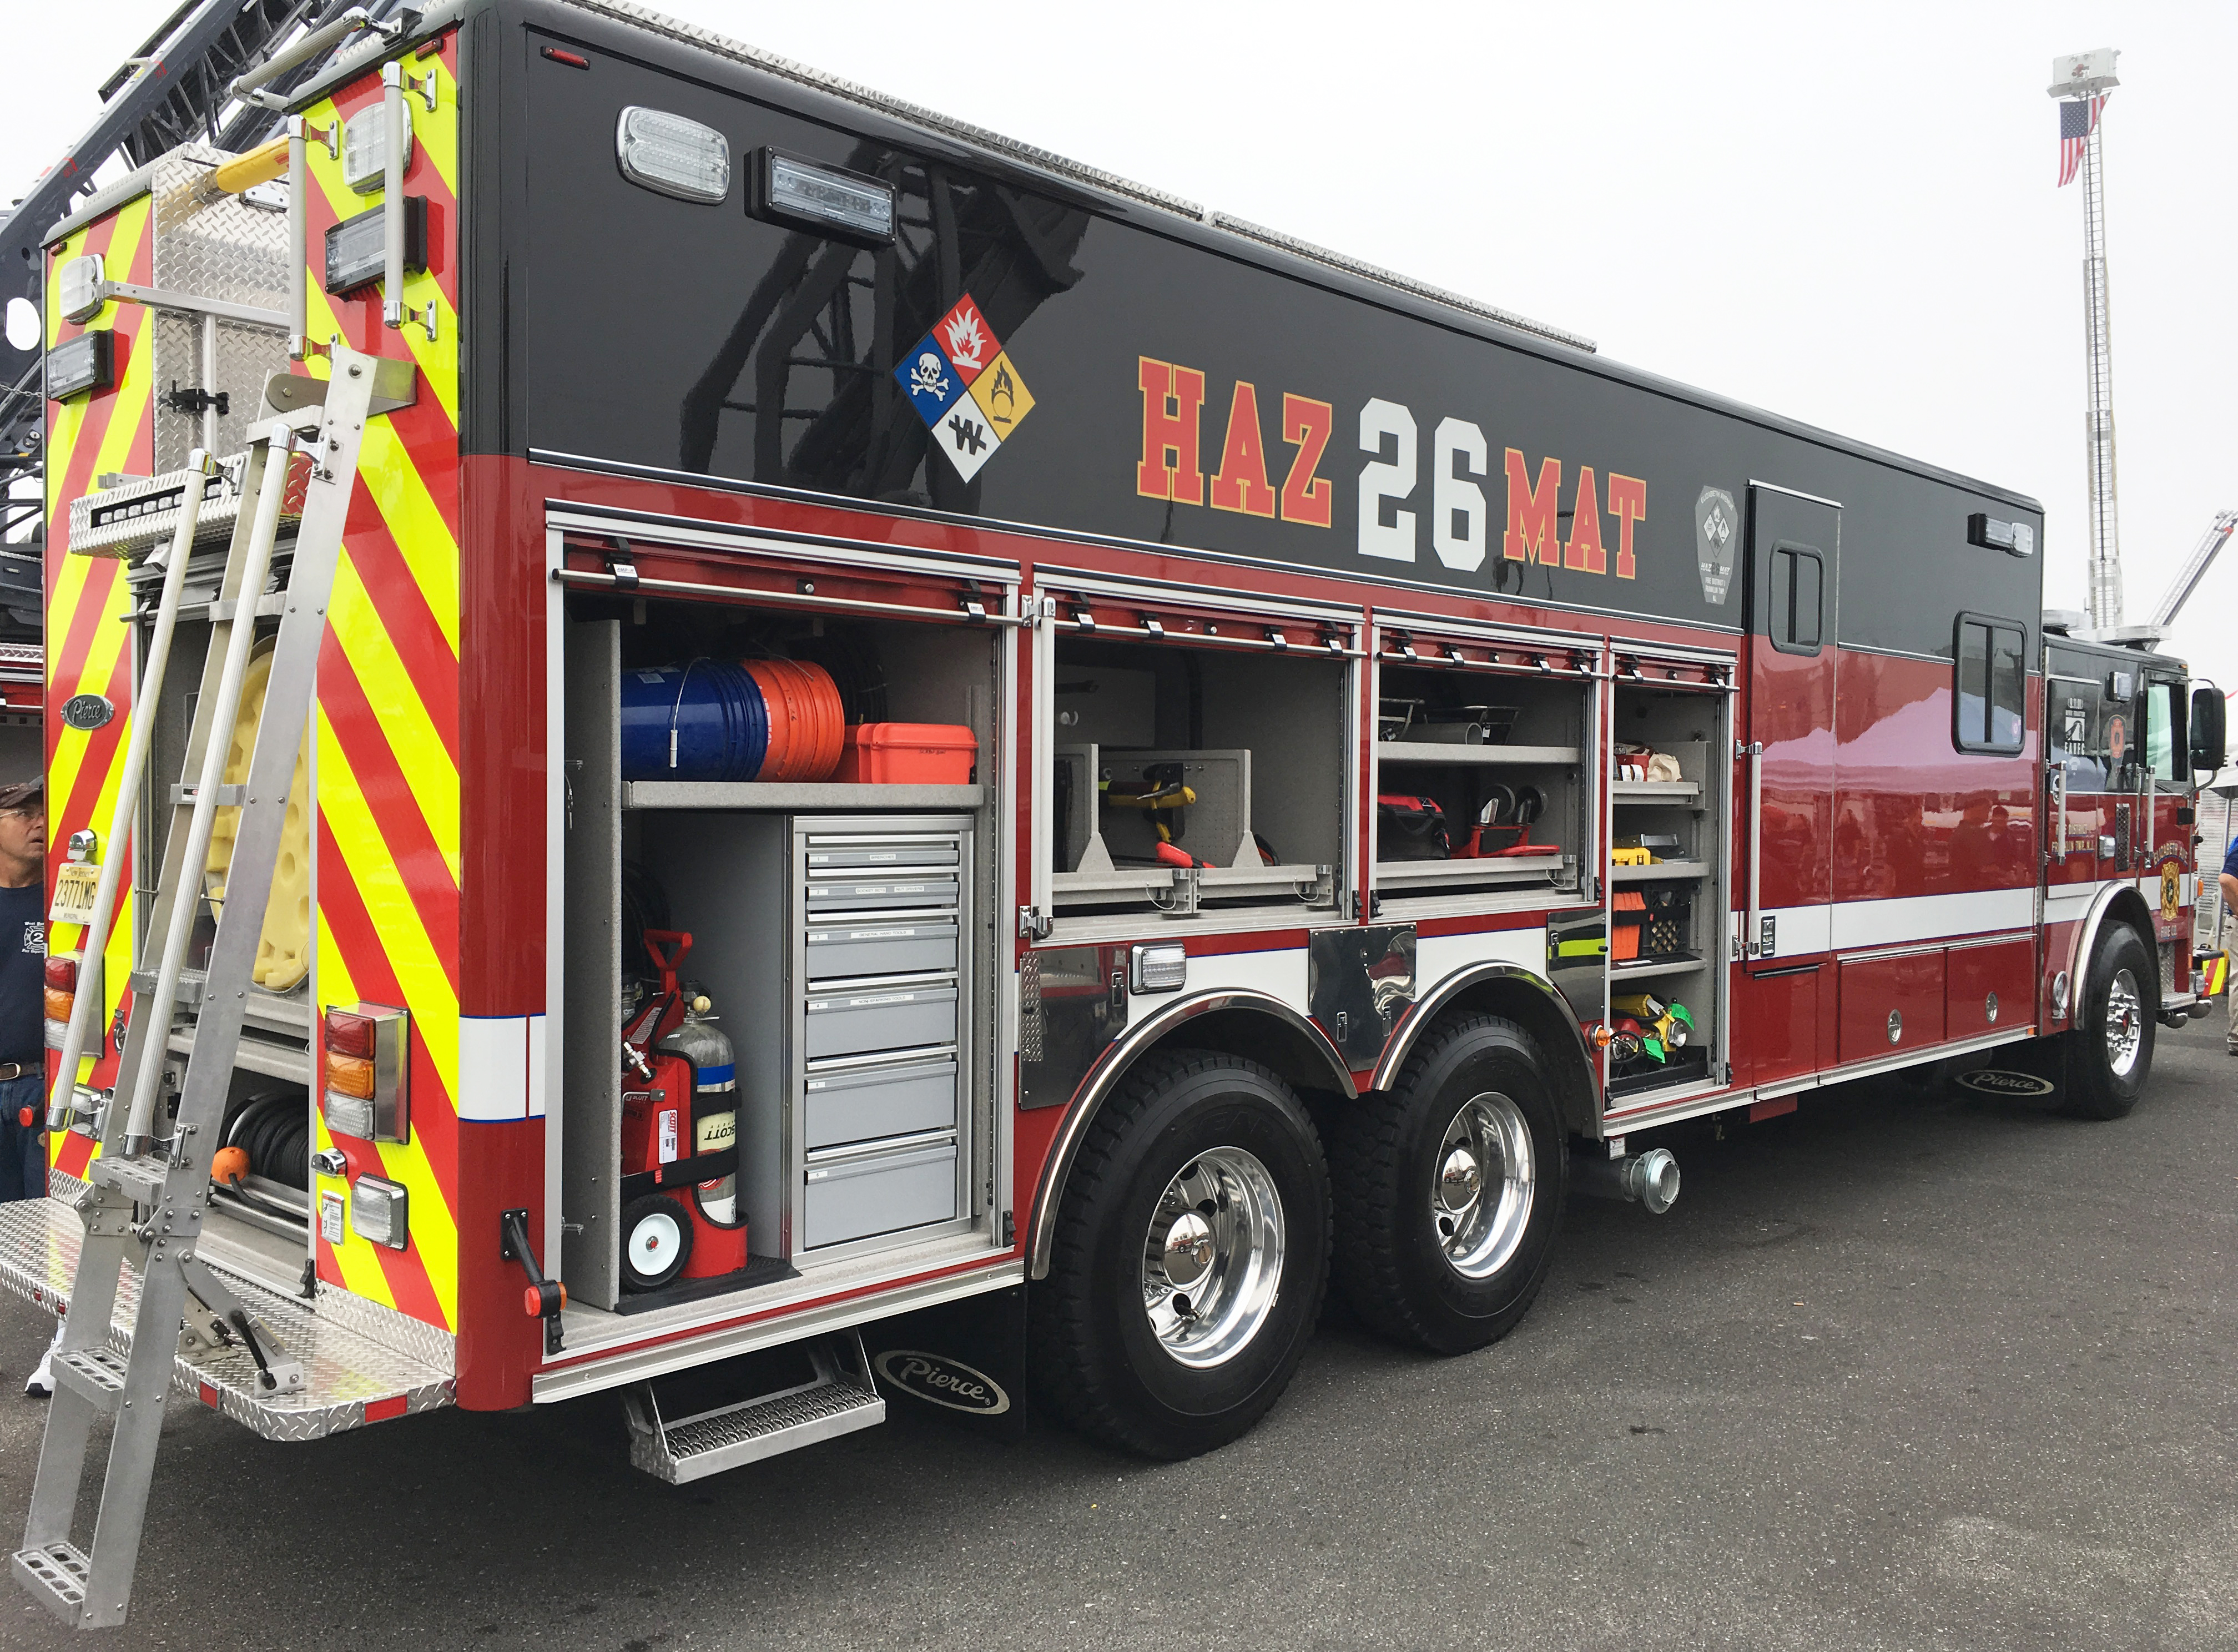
(710,735)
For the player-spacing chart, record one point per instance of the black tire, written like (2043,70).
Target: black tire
(1393,1262)
(1098,1360)
(677,1245)
(2100,1085)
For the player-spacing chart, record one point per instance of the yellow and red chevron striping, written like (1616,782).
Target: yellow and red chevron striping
(88,435)
(387,854)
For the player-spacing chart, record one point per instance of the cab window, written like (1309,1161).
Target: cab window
(2164,756)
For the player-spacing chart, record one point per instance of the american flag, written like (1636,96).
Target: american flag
(2077,120)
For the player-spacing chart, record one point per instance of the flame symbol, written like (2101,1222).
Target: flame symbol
(966,343)
(1005,396)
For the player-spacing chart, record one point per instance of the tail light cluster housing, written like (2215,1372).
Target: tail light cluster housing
(367,1072)
(61,996)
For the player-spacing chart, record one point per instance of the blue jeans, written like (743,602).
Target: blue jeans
(23,1152)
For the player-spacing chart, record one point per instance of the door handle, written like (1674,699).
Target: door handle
(1751,932)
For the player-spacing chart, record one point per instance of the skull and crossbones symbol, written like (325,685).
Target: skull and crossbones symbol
(929,377)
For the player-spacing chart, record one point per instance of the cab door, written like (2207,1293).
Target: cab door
(1783,993)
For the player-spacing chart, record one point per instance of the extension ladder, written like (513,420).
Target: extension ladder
(147,1191)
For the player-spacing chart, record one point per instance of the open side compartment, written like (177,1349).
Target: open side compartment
(1669,851)
(1197,764)
(838,919)
(1480,771)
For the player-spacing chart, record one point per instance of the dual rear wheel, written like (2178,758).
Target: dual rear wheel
(1203,1224)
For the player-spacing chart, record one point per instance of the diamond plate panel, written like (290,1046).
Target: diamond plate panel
(346,1371)
(213,245)
(671,1452)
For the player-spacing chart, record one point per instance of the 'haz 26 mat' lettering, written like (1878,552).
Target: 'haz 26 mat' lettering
(1461,534)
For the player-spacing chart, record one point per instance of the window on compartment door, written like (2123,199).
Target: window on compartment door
(1991,688)
(1799,599)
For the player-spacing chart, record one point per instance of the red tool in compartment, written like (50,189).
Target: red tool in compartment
(679,1150)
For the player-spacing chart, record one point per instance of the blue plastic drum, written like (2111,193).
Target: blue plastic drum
(701,720)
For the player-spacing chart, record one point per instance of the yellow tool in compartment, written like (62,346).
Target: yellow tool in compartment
(1165,797)
(1670,1027)
(1632,857)
(283,952)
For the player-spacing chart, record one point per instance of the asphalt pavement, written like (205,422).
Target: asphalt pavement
(1905,1369)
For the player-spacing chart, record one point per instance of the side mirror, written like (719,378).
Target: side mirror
(2207,747)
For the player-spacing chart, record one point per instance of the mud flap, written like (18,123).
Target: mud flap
(965,1360)
(2035,1069)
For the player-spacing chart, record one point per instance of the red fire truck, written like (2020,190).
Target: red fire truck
(717,737)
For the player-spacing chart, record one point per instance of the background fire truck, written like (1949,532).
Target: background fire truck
(758,748)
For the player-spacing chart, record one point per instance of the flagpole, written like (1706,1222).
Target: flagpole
(2088,77)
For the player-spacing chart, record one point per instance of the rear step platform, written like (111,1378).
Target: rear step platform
(352,1376)
(687,1428)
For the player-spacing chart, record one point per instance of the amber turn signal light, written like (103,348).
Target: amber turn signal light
(350,1075)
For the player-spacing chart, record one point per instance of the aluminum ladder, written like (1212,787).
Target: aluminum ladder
(144,1201)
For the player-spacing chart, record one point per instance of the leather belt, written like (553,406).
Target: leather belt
(21,1069)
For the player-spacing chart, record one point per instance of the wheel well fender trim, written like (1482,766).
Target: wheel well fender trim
(1119,1058)
(2086,936)
(1424,1014)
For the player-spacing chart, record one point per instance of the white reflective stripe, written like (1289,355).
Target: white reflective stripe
(1850,924)
(1279,973)
(536,1066)
(1919,917)
(497,1056)
(1438,956)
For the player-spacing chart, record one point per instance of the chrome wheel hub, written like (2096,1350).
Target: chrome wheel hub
(1485,1183)
(2125,1023)
(1212,1259)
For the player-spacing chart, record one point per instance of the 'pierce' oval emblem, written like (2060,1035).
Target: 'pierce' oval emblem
(943,1382)
(1991,1081)
(86,713)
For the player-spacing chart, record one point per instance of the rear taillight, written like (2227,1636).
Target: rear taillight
(60,996)
(349,1033)
(365,1073)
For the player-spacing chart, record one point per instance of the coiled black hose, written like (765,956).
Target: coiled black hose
(276,1132)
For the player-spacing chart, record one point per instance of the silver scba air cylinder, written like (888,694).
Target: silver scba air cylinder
(1649,1178)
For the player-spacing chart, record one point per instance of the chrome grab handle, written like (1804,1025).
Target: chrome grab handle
(1753,750)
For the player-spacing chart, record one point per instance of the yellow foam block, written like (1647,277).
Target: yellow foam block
(283,951)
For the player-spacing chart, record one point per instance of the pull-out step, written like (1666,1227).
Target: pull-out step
(683,1430)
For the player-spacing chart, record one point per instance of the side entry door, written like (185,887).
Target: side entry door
(1785,990)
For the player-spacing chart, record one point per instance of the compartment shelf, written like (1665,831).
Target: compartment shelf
(1428,753)
(1649,969)
(1655,791)
(1403,874)
(1659,870)
(781,794)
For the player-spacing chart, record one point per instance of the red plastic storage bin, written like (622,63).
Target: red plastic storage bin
(909,753)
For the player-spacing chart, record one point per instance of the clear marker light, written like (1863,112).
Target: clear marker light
(672,156)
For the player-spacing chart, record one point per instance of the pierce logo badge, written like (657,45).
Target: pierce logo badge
(1993,1081)
(965,387)
(941,1381)
(86,713)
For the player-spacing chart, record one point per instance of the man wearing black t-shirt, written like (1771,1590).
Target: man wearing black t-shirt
(23,986)
(22,1011)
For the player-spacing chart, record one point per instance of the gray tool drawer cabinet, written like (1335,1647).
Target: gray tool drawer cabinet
(841,946)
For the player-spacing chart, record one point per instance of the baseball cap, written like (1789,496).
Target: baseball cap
(18,793)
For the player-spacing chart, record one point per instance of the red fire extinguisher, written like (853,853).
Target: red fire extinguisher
(680,1151)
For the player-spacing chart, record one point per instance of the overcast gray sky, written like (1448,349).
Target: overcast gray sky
(1847,217)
